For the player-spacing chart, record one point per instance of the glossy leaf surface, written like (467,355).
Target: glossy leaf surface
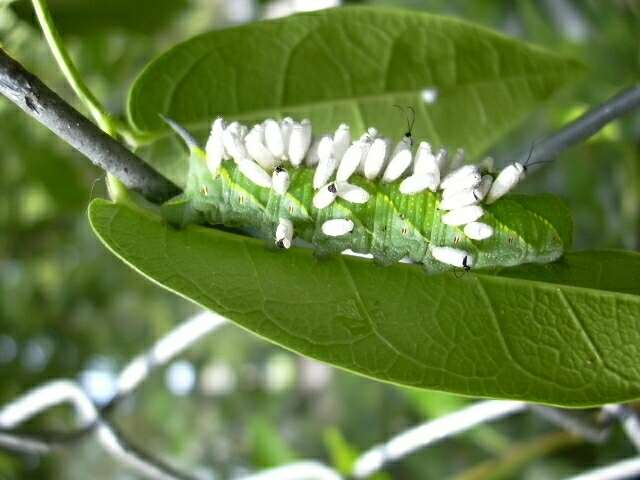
(564,333)
(350,65)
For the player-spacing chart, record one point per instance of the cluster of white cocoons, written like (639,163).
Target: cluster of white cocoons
(463,191)
(265,152)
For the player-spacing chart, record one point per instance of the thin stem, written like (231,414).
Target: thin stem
(100,114)
(52,36)
(586,125)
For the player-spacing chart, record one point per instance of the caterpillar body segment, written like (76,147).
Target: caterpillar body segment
(381,220)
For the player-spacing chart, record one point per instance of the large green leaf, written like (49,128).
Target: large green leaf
(565,334)
(351,65)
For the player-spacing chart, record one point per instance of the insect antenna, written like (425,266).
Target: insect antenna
(539,162)
(527,164)
(410,122)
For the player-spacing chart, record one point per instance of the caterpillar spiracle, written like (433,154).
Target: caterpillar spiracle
(365,196)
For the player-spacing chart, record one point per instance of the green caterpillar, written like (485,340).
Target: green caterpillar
(359,197)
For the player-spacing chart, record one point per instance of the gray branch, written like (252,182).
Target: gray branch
(585,126)
(41,103)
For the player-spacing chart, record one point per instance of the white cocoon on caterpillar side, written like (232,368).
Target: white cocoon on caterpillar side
(442,160)
(254,143)
(326,164)
(351,253)
(325,196)
(214,148)
(341,140)
(463,215)
(453,192)
(299,142)
(350,161)
(233,140)
(280,180)
(365,143)
(352,193)
(239,129)
(366,140)
(213,164)
(506,180)
(478,230)
(325,148)
(284,233)
(273,137)
(472,194)
(376,157)
(286,125)
(418,183)
(460,198)
(217,129)
(452,256)
(424,162)
(464,175)
(400,161)
(308,129)
(485,185)
(457,174)
(254,172)
(337,227)
(312,158)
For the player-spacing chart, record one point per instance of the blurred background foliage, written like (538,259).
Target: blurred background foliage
(234,403)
